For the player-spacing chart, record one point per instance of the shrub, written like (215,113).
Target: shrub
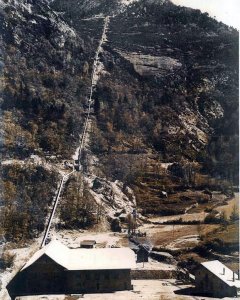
(6,261)
(212,219)
(78,209)
(234,214)
(115,225)
(25,196)
(208,209)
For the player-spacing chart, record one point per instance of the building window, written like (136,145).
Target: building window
(107,276)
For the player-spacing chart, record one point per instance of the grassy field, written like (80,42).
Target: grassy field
(232,205)
(229,234)
(169,235)
(221,242)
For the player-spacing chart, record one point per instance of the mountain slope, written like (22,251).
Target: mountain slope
(165,105)
(45,67)
(172,82)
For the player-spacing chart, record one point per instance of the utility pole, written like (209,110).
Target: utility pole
(134,213)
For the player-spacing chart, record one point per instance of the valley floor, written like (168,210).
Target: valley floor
(167,236)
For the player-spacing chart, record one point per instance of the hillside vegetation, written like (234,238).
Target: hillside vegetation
(26,194)
(169,94)
(45,80)
(165,110)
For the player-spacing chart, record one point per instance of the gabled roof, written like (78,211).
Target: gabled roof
(55,250)
(144,247)
(86,259)
(216,267)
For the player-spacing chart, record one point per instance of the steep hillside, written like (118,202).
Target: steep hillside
(78,10)
(165,113)
(46,77)
(26,195)
(170,89)
(179,96)
(118,115)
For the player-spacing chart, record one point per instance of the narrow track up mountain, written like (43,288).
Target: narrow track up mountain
(94,79)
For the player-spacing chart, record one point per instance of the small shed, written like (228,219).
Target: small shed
(123,217)
(142,254)
(56,269)
(213,278)
(88,244)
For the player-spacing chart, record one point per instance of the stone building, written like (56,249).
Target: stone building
(88,244)
(215,279)
(56,269)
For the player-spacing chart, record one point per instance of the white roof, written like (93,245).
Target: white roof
(216,267)
(86,259)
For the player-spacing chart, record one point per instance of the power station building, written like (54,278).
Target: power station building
(215,279)
(56,269)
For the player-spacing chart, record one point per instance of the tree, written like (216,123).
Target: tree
(115,225)
(223,219)
(131,221)
(79,209)
(234,214)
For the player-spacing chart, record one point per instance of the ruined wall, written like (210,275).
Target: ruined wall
(153,274)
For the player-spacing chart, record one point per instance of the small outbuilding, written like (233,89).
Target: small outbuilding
(88,244)
(123,217)
(142,254)
(56,269)
(215,279)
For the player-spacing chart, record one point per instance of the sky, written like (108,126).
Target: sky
(227,11)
